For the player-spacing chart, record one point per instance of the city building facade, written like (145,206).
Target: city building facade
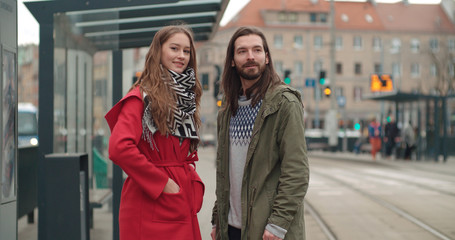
(412,43)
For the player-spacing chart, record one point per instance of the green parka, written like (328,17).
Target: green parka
(276,172)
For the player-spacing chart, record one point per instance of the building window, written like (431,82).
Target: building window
(396,70)
(339,91)
(279,67)
(317,66)
(298,68)
(377,44)
(433,70)
(434,44)
(451,70)
(339,68)
(205,81)
(317,42)
(357,42)
(378,68)
(358,68)
(313,17)
(323,17)
(282,17)
(415,45)
(204,57)
(358,94)
(395,45)
(451,45)
(278,41)
(298,41)
(415,70)
(338,43)
(292,17)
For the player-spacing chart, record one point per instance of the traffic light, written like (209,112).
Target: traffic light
(322,77)
(287,77)
(327,91)
(357,126)
(216,81)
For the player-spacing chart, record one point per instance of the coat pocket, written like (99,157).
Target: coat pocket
(198,191)
(170,207)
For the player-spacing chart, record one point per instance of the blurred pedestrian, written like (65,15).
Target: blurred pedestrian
(391,136)
(362,139)
(374,135)
(262,164)
(154,140)
(409,139)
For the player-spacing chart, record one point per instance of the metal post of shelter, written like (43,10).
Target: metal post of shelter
(436,129)
(46,117)
(445,126)
(117,175)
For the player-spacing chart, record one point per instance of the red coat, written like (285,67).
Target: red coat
(146,212)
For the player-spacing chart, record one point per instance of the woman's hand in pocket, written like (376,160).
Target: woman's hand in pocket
(171,187)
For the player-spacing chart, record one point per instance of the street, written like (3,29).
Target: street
(350,197)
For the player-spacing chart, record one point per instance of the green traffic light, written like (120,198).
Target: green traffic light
(287,80)
(322,77)
(357,126)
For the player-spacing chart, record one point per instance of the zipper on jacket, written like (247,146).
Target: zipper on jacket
(250,210)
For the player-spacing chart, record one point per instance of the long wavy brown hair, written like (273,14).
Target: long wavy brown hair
(153,78)
(231,84)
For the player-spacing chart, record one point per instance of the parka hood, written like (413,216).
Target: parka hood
(273,96)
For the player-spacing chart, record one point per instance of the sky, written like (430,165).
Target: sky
(28,28)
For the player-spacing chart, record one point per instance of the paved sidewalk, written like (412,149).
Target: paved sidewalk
(103,217)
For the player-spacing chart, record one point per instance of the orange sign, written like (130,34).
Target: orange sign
(381,83)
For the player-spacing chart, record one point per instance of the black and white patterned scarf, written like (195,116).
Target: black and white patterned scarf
(183,125)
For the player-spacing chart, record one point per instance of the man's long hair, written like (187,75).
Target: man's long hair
(231,84)
(153,78)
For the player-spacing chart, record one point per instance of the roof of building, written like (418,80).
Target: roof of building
(414,17)
(250,15)
(355,15)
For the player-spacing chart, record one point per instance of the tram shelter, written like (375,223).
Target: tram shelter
(71,32)
(432,116)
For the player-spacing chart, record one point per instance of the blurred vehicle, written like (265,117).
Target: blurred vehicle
(319,133)
(208,140)
(27,125)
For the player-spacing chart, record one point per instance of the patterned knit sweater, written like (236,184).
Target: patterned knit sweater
(240,130)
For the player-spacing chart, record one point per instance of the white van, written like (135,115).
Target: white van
(27,128)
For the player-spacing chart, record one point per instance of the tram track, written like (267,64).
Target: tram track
(325,228)
(386,204)
(392,176)
(421,167)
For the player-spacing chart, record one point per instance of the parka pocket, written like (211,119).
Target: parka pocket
(198,191)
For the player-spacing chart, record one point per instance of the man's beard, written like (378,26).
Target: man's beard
(250,74)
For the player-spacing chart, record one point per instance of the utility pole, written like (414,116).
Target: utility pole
(331,117)
(332,54)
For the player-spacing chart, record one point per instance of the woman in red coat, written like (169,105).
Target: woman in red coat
(154,138)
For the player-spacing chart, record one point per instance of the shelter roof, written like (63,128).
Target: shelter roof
(119,24)
(397,96)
